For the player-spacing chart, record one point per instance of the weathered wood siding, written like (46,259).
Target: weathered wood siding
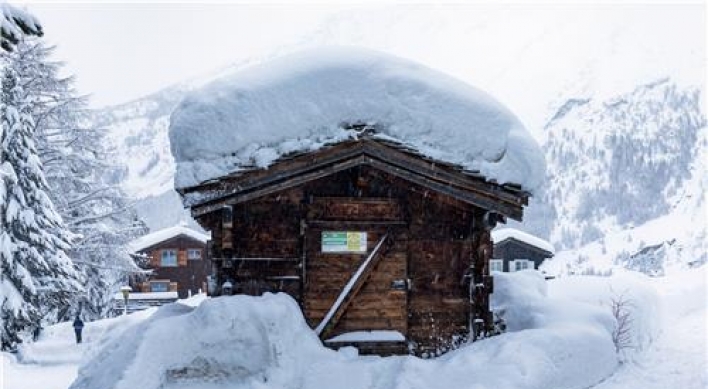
(378,305)
(274,244)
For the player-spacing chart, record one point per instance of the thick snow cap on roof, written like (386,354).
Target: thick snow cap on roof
(301,101)
(156,237)
(507,233)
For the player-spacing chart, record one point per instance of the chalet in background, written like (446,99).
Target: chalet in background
(516,250)
(369,236)
(177,258)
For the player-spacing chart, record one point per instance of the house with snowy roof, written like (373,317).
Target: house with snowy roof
(516,250)
(363,185)
(176,258)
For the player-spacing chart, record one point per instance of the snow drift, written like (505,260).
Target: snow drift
(301,102)
(630,289)
(264,342)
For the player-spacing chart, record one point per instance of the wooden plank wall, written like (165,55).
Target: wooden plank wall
(436,240)
(440,254)
(377,306)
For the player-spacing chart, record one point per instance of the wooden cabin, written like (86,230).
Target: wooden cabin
(516,250)
(177,259)
(369,236)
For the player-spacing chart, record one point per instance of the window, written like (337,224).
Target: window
(496,265)
(169,258)
(159,286)
(522,264)
(194,254)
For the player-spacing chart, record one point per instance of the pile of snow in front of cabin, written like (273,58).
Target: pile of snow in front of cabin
(301,101)
(557,340)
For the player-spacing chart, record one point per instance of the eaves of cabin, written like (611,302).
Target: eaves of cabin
(393,158)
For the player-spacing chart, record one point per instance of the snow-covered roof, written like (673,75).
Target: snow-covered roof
(507,233)
(162,235)
(301,102)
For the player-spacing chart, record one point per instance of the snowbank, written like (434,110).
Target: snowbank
(264,342)
(640,301)
(299,103)
(231,340)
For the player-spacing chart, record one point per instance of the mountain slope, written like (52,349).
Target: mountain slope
(138,130)
(618,163)
(676,238)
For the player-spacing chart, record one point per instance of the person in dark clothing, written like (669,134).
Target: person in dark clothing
(35,334)
(78,326)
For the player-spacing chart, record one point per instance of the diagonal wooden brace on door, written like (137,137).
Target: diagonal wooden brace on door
(353,286)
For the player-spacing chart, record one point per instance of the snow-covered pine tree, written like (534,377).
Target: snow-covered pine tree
(78,165)
(39,281)
(14,24)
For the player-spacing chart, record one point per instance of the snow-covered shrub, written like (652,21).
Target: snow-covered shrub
(621,311)
(638,300)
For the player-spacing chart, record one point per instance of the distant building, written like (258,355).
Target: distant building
(138,300)
(516,250)
(177,258)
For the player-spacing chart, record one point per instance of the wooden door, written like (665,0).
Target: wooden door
(380,302)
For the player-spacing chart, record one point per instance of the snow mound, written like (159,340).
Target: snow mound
(230,340)
(264,342)
(301,102)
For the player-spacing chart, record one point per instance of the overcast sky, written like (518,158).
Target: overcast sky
(123,51)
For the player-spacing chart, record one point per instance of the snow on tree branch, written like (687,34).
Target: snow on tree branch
(15,23)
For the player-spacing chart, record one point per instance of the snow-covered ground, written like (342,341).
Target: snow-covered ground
(679,356)
(555,340)
(52,362)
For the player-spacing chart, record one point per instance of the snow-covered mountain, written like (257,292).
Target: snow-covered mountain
(618,163)
(627,180)
(138,131)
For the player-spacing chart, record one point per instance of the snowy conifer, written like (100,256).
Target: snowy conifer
(14,23)
(78,166)
(39,280)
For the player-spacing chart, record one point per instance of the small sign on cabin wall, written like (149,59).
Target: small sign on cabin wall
(343,242)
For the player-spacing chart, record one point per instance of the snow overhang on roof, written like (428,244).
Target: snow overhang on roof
(512,233)
(304,101)
(156,237)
